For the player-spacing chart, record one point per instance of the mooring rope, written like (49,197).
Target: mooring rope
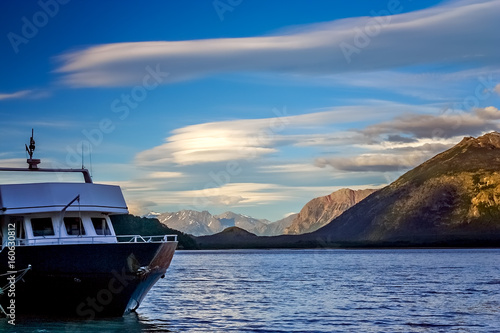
(23,272)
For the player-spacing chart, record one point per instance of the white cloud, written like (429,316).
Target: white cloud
(140,207)
(489,113)
(442,34)
(497,88)
(165,174)
(244,139)
(211,142)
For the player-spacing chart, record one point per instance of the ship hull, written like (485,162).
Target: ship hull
(84,280)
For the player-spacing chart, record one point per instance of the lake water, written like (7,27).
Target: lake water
(454,290)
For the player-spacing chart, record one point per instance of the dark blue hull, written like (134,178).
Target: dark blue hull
(85,280)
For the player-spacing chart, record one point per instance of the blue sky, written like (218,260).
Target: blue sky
(250,106)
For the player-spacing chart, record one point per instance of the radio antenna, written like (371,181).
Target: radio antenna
(33,163)
(31,148)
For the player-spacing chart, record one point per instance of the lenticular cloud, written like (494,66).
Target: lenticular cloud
(443,34)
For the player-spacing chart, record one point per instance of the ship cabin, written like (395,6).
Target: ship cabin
(51,213)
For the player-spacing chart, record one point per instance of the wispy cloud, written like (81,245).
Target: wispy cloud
(14,95)
(11,162)
(435,126)
(399,159)
(406,141)
(426,83)
(301,168)
(165,175)
(26,94)
(423,37)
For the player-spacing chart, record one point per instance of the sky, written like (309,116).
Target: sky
(254,107)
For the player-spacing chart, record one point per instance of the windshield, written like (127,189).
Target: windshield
(27,177)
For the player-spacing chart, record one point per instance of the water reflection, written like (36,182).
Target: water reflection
(132,322)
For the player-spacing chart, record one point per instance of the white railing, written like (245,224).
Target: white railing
(146,239)
(95,240)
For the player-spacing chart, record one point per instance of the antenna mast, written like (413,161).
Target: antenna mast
(33,163)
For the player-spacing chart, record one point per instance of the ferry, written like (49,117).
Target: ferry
(60,254)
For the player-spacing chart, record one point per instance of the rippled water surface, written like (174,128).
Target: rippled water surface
(312,291)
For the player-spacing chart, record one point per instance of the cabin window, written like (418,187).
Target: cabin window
(42,227)
(74,226)
(101,226)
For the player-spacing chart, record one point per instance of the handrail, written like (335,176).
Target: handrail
(147,239)
(99,239)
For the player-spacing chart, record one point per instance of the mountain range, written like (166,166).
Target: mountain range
(315,214)
(203,223)
(453,199)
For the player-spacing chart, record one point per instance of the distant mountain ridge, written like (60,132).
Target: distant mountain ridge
(253,225)
(191,222)
(203,223)
(320,211)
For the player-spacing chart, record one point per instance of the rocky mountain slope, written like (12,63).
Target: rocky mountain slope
(279,227)
(453,197)
(320,211)
(191,222)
